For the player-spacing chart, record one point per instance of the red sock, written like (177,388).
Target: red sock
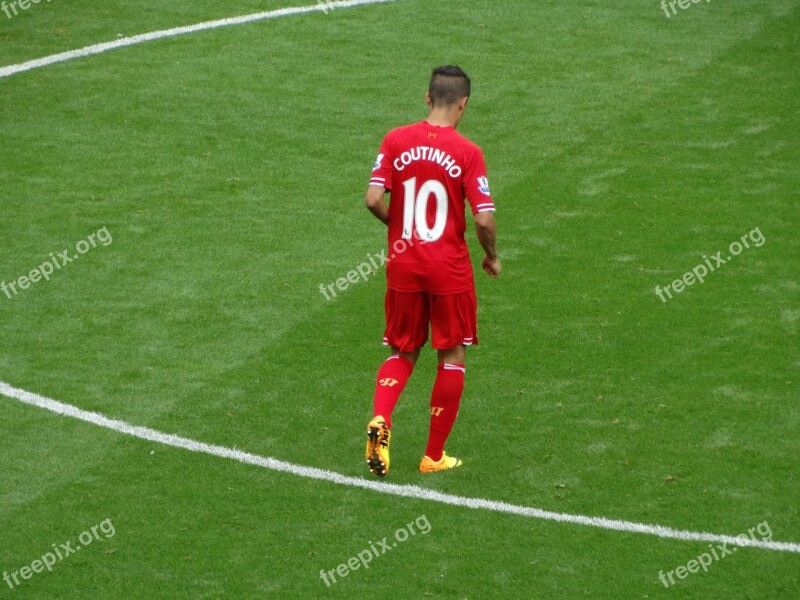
(445,400)
(392,378)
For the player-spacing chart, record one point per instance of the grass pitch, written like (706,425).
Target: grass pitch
(229,168)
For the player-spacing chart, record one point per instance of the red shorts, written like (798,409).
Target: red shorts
(453,320)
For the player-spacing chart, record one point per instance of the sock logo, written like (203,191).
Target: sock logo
(436,410)
(388,382)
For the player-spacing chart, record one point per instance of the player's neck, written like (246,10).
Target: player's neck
(443,118)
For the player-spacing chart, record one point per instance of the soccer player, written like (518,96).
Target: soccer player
(430,171)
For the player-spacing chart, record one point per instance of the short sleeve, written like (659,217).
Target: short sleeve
(476,184)
(382,171)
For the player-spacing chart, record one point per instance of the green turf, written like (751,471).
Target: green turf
(229,167)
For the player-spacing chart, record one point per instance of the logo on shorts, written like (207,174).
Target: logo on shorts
(483,186)
(436,411)
(378,162)
(388,382)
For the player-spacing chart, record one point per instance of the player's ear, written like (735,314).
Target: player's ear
(428,99)
(462,104)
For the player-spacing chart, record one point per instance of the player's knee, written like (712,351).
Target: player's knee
(409,356)
(456,354)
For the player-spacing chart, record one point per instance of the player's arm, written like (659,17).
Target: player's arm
(487,235)
(476,188)
(376,203)
(380,182)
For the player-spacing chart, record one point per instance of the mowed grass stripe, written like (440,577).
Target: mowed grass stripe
(46,61)
(408,491)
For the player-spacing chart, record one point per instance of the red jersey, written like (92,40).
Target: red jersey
(430,171)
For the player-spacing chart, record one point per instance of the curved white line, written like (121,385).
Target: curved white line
(9,70)
(408,491)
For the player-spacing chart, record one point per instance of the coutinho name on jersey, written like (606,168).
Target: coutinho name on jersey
(440,157)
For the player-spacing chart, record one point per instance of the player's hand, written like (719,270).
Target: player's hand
(492,266)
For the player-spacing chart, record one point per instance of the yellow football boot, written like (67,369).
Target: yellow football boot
(378,437)
(447,462)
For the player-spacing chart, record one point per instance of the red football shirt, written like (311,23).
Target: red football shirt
(430,171)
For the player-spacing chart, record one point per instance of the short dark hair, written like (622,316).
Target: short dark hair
(448,85)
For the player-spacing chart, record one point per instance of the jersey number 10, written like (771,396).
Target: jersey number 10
(415,209)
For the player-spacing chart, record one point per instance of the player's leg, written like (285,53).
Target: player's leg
(454,325)
(406,332)
(445,402)
(392,377)
(455,355)
(407,318)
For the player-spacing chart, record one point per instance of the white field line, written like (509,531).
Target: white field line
(408,491)
(9,70)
